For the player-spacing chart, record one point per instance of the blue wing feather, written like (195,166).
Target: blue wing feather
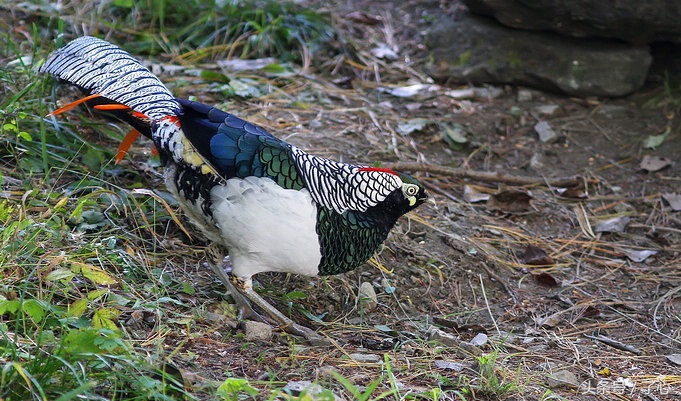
(236,148)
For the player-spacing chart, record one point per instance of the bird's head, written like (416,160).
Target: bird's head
(413,192)
(407,193)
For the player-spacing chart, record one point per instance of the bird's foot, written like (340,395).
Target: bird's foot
(275,316)
(224,272)
(305,332)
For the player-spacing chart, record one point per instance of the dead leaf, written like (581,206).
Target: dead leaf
(591,311)
(363,18)
(411,90)
(413,125)
(577,192)
(545,279)
(654,163)
(384,51)
(604,372)
(613,225)
(472,195)
(244,65)
(674,201)
(454,135)
(638,255)
(674,358)
(654,141)
(549,321)
(535,256)
(512,201)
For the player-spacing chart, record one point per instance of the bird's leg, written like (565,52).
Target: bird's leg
(245,287)
(243,293)
(242,304)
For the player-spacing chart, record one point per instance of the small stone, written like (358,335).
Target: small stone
(367,296)
(546,109)
(465,93)
(562,378)
(537,162)
(448,365)
(435,334)
(297,387)
(257,330)
(488,93)
(524,95)
(545,132)
(365,358)
(479,340)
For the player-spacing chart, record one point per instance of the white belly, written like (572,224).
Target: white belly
(266,227)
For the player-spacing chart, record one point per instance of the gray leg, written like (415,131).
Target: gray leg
(243,293)
(243,306)
(288,325)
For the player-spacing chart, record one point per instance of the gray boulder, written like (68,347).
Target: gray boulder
(472,49)
(634,21)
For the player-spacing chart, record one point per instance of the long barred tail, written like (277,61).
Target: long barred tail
(104,69)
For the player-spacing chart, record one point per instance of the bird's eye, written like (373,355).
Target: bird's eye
(411,190)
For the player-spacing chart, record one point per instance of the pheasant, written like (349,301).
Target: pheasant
(267,204)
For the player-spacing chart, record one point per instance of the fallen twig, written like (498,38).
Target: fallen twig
(615,344)
(492,176)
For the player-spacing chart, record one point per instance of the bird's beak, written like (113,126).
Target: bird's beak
(426,198)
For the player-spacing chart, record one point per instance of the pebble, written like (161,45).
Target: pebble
(435,334)
(257,330)
(479,340)
(546,109)
(367,296)
(365,358)
(537,162)
(562,378)
(448,365)
(296,387)
(524,95)
(545,132)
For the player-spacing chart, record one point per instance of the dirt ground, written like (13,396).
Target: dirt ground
(573,308)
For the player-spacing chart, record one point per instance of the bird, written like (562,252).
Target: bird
(261,203)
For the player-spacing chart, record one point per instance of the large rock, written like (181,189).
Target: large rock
(634,21)
(477,49)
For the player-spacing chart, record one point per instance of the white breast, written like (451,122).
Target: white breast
(266,227)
